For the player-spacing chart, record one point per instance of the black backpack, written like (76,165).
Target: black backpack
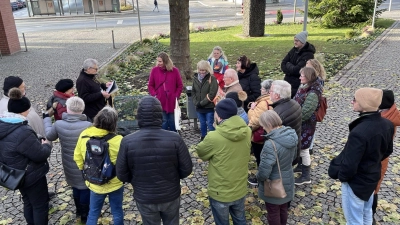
(98,168)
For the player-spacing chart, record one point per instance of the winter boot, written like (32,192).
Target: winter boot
(78,207)
(298,167)
(84,213)
(374,205)
(305,176)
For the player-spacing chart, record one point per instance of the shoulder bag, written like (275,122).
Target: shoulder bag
(321,112)
(11,178)
(274,188)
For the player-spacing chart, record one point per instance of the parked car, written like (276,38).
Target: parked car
(20,5)
(14,6)
(22,2)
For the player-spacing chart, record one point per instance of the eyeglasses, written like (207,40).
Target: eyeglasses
(95,68)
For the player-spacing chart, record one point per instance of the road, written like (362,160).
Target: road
(200,12)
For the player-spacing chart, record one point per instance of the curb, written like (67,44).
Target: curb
(44,17)
(353,64)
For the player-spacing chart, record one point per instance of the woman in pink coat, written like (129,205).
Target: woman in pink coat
(165,83)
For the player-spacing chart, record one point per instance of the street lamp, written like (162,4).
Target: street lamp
(138,14)
(373,17)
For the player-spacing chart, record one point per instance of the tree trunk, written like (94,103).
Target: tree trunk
(180,45)
(254,18)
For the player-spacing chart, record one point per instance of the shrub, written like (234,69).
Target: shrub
(338,13)
(350,34)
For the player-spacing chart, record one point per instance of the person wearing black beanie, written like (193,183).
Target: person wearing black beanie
(56,105)
(12,82)
(18,104)
(387,99)
(22,150)
(33,118)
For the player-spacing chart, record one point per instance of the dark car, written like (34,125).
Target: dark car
(14,6)
(20,5)
(22,2)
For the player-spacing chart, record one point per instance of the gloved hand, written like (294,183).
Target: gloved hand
(199,105)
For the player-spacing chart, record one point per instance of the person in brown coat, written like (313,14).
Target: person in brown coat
(231,80)
(388,111)
(256,108)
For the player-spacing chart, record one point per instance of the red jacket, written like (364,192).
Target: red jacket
(166,86)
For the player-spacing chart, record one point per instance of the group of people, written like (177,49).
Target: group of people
(239,115)
(150,153)
(276,121)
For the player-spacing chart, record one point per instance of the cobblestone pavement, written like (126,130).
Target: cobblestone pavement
(53,55)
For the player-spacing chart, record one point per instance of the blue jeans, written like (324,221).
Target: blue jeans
(168,212)
(356,211)
(168,121)
(221,211)
(206,120)
(96,204)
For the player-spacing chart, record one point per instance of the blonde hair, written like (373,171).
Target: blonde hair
(270,119)
(169,65)
(204,65)
(318,67)
(220,50)
(309,73)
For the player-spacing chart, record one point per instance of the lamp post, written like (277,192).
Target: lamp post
(305,15)
(94,15)
(138,14)
(373,16)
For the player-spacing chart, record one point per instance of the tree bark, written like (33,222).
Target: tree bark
(180,44)
(254,18)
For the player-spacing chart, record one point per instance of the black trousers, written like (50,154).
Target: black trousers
(36,202)
(257,148)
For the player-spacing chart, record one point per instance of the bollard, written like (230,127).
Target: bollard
(112,34)
(26,48)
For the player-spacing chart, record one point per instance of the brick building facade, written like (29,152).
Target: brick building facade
(9,42)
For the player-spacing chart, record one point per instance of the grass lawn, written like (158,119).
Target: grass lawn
(131,69)
(268,51)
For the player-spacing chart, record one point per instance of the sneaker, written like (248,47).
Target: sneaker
(302,180)
(298,168)
(252,181)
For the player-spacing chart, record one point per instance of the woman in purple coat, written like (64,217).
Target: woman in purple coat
(165,83)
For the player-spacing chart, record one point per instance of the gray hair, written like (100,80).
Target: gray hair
(106,119)
(270,119)
(89,63)
(266,84)
(232,73)
(75,104)
(283,88)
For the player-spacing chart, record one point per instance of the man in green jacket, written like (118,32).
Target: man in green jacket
(228,150)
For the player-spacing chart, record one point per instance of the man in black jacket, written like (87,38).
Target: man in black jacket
(296,59)
(154,160)
(358,166)
(288,109)
(90,90)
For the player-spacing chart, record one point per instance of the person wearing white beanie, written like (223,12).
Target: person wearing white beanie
(296,59)
(358,166)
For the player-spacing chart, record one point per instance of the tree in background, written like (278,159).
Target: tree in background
(254,17)
(180,45)
(338,13)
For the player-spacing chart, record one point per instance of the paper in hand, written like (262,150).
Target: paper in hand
(112,88)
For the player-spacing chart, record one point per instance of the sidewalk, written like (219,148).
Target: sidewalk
(60,54)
